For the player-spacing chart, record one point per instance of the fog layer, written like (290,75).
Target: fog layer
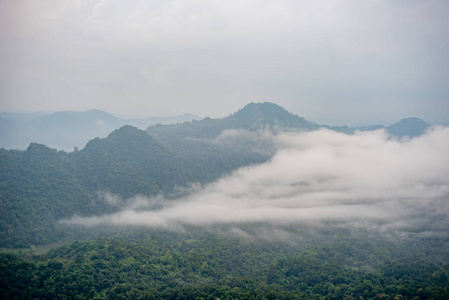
(357,180)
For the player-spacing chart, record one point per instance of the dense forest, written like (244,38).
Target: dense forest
(199,264)
(40,187)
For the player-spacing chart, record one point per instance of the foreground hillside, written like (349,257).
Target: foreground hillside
(202,265)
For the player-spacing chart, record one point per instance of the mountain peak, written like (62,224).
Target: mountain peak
(259,115)
(129,135)
(127,130)
(408,127)
(261,109)
(412,120)
(127,140)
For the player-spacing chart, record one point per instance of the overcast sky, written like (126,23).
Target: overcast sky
(333,62)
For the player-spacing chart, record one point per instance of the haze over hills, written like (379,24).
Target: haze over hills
(338,191)
(261,204)
(68,129)
(269,116)
(132,162)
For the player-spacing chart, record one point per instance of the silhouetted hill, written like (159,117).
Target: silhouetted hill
(256,116)
(260,116)
(42,185)
(252,117)
(129,161)
(66,130)
(408,127)
(199,143)
(126,163)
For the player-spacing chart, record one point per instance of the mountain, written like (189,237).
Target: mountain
(66,130)
(129,162)
(256,116)
(237,139)
(144,123)
(212,141)
(408,127)
(252,117)
(206,147)
(41,185)
(260,116)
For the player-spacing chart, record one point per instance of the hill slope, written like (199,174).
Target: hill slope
(39,186)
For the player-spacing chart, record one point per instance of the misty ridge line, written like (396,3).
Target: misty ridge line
(66,130)
(313,177)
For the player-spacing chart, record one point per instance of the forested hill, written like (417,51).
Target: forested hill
(215,146)
(253,117)
(41,185)
(129,162)
(270,116)
(408,127)
(238,260)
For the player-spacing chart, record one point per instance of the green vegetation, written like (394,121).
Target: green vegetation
(202,265)
(41,186)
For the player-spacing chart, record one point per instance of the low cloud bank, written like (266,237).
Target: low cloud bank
(314,177)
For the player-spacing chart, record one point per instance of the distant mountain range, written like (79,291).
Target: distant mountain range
(410,127)
(40,185)
(260,116)
(68,129)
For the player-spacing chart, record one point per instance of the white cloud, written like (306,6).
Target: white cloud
(315,177)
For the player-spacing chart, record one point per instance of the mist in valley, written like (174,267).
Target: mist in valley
(224,149)
(366,180)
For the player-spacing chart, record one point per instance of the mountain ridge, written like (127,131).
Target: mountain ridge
(41,185)
(66,130)
(266,115)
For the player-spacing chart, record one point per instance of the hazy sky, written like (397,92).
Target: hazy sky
(331,62)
